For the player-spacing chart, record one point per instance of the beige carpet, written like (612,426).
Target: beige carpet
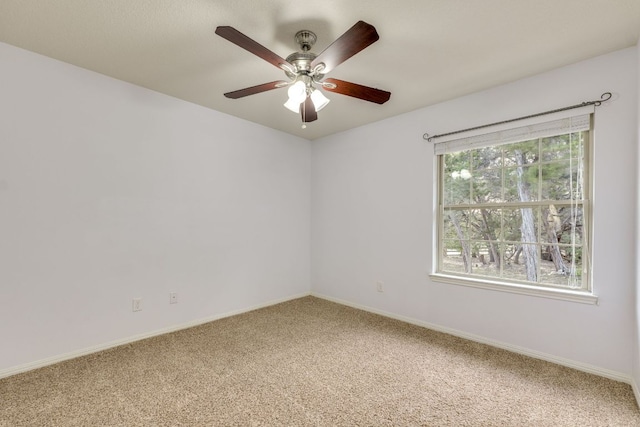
(310,362)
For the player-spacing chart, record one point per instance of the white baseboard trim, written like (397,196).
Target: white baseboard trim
(636,391)
(616,376)
(85,351)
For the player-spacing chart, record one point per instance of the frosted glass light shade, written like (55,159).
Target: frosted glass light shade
(293,105)
(319,100)
(297,92)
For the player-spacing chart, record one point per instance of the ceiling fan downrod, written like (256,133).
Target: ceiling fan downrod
(306,39)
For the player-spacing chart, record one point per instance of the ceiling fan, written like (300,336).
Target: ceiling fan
(306,70)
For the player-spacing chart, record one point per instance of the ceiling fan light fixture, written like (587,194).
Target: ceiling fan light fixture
(293,105)
(297,92)
(319,100)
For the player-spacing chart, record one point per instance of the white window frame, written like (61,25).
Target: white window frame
(522,130)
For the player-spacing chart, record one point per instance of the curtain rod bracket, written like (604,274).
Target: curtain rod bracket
(603,98)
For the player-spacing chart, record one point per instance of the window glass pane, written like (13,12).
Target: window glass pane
(486,258)
(486,158)
(511,185)
(520,225)
(568,273)
(457,184)
(456,224)
(521,184)
(574,260)
(521,153)
(562,224)
(564,281)
(485,224)
(456,161)
(525,264)
(512,223)
(563,146)
(509,251)
(456,256)
(552,225)
(456,191)
(487,186)
(566,237)
(553,260)
(529,225)
(562,180)
(571,220)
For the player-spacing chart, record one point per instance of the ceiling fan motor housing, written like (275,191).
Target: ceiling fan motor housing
(302,60)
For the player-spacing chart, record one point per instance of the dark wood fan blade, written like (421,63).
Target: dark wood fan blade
(236,37)
(357,91)
(255,89)
(353,41)
(308,111)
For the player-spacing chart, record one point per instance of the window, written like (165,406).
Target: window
(514,207)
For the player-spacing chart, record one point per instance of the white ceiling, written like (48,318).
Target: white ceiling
(429,50)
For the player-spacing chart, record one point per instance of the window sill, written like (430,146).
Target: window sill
(561,294)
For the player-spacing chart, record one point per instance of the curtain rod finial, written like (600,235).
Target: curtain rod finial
(603,98)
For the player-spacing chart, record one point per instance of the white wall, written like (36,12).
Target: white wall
(636,352)
(372,191)
(109,191)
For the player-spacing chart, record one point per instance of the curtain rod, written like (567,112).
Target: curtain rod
(603,98)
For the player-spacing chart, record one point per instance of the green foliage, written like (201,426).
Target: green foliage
(547,169)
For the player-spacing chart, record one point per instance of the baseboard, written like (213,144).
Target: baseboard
(83,352)
(617,376)
(636,391)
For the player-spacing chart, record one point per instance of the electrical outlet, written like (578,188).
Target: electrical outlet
(379,286)
(137,304)
(173,298)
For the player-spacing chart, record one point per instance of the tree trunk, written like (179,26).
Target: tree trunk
(493,252)
(516,259)
(463,243)
(528,230)
(552,224)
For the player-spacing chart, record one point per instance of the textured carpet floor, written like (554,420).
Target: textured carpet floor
(310,362)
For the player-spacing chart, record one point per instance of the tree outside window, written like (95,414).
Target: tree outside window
(516,212)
